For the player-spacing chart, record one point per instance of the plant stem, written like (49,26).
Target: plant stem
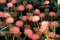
(24,38)
(51,28)
(37,25)
(41,19)
(26,22)
(13,37)
(4,9)
(21,14)
(46,34)
(51,18)
(34,24)
(29,11)
(5,37)
(54,29)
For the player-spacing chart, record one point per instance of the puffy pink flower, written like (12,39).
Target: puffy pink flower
(54,24)
(47,2)
(36,11)
(19,23)
(9,5)
(14,30)
(21,8)
(24,18)
(51,34)
(2,1)
(43,29)
(52,14)
(29,6)
(5,15)
(28,32)
(41,15)
(45,23)
(30,18)
(9,20)
(1,14)
(35,37)
(35,18)
(13,1)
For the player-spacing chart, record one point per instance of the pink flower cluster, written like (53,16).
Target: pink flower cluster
(52,14)
(24,18)
(35,17)
(46,24)
(4,14)
(29,33)
(2,1)
(14,30)
(46,2)
(54,24)
(19,23)
(51,34)
(13,1)
(9,20)
(21,8)
(29,6)
(36,11)
(9,5)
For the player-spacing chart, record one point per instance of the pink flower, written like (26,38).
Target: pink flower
(43,29)
(9,5)
(44,26)
(28,32)
(5,15)
(13,1)
(14,30)
(41,15)
(47,2)
(35,18)
(9,20)
(35,37)
(54,24)
(1,14)
(30,18)
(51,34)
(2,1)
(24,18)
(36,11)
(29,6)
(21,8)
(45,23)
(52,14)
(19,23)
